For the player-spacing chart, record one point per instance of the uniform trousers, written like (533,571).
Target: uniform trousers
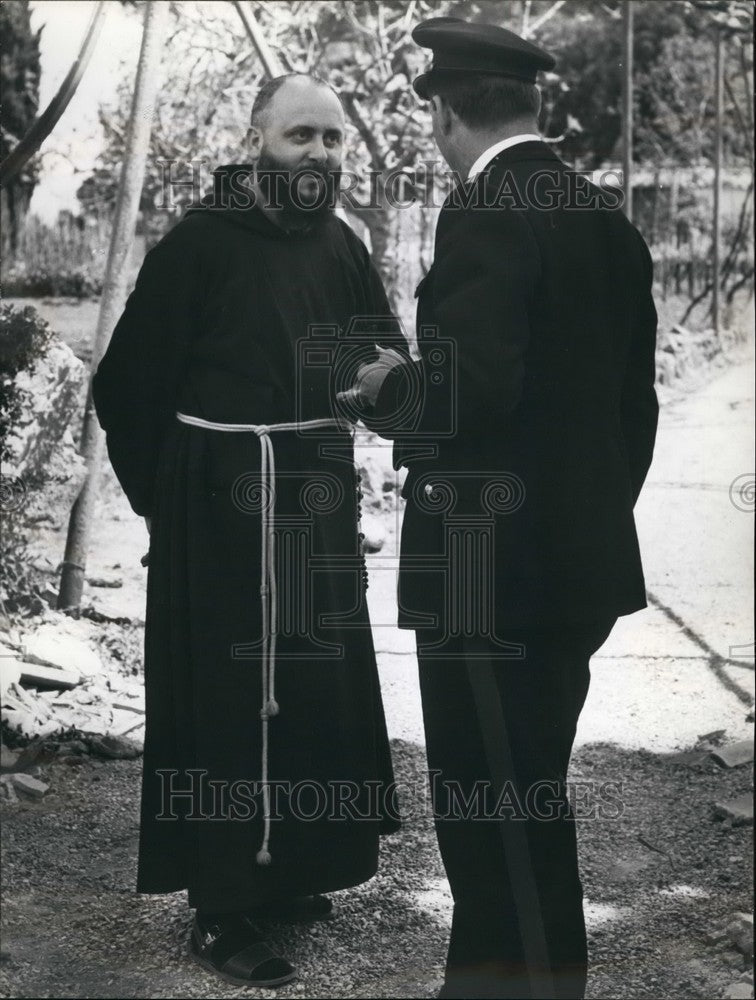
(499,725)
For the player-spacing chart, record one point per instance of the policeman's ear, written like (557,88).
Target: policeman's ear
(442,113)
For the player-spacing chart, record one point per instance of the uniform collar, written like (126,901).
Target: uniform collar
(498,147)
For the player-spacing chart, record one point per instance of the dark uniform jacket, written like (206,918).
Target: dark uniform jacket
(529,424)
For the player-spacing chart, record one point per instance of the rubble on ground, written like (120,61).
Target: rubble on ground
(739,991)
(28,785)
(734,754)
(736,812)
(23,777)
(55,680)
(740,932)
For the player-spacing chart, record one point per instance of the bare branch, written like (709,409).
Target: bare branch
(376,153)
(736,109)
(748,86)
(546,16)
(729,262)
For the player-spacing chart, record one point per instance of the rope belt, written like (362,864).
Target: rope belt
(268,590)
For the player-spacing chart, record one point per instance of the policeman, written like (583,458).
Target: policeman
(528,428)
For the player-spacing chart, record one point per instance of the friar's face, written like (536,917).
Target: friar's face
(297,148)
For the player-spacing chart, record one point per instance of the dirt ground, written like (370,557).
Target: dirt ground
(661,876)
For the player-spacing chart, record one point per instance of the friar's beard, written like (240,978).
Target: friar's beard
(301,194)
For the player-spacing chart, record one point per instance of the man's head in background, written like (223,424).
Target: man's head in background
(295,141)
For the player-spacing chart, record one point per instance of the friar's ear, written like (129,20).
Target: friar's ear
(254,141)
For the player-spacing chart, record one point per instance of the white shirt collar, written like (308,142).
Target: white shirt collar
(487,155)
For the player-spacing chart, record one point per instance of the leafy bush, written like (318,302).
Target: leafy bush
(63,259)
(78,283)
(24,337)
(21,584)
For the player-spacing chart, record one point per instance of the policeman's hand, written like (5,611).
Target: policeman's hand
(371,377)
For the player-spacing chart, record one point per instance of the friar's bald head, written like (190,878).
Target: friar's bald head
(270,88)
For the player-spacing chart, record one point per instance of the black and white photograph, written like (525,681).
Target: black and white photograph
(377,493)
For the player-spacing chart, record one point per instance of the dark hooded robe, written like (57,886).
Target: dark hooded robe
(235,320)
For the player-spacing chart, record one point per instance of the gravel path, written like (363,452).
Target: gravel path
(658,878)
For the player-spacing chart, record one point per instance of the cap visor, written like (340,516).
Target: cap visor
(418,85)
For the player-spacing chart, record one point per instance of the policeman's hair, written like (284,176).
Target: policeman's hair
(484,100)
(270,88)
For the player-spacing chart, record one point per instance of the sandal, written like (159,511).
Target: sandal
(295,910)
(232,947)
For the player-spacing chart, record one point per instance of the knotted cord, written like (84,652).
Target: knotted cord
(268,583)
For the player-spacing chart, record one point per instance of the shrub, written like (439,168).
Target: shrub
(24,337)
(63,259)
(78,283)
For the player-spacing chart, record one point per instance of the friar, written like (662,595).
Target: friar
(267,775)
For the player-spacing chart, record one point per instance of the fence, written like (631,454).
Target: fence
(673,208)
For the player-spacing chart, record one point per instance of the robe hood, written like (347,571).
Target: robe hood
(230,201)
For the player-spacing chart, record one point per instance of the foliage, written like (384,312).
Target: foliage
(673,76)
(21,584)
(365,51)
(19,73)
(24,337)
(77,283)
(65,259)
(19,85)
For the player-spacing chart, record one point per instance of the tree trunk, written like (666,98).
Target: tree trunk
(13,208)
(156,16)
(378,222)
